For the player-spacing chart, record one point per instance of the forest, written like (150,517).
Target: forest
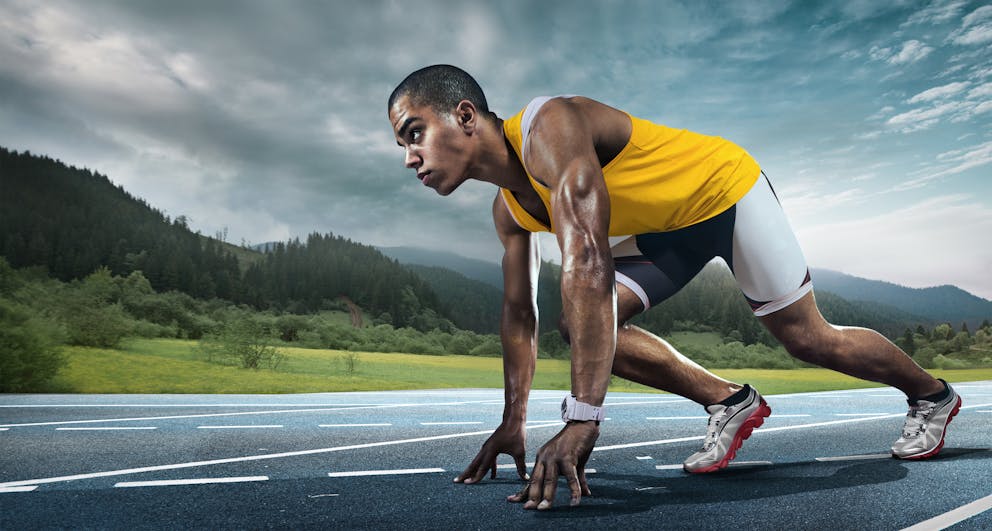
(85,263)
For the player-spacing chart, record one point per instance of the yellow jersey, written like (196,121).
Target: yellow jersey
(662,180)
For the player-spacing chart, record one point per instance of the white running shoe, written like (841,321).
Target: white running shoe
(926,424)
(728,427)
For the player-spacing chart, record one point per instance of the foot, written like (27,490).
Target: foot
(926,424)
(729,425)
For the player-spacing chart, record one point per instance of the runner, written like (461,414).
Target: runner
(638,209)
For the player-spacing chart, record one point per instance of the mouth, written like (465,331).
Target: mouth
(423,176)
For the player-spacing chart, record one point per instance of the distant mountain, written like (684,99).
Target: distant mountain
(488,272)
(938,304)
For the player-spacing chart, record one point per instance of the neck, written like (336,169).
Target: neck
(498,163)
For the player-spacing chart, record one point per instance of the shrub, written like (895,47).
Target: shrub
(29,349)
(241,342)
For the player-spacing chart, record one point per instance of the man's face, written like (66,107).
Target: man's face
(437,146)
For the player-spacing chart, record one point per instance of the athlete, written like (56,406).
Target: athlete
(638,209)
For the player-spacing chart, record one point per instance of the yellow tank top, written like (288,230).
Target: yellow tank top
(664,179)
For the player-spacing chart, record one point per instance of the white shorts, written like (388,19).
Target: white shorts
(753,237)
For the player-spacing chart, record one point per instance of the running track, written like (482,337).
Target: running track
(386,460)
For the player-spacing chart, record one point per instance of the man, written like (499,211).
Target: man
(672,200)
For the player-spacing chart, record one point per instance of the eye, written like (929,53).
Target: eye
(415,135)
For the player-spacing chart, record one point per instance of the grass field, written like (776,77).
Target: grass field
(174,366)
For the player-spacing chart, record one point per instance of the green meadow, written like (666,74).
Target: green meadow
(176,366)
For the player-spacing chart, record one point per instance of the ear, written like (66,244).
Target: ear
(466,114)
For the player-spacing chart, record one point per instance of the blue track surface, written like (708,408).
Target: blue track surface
(386,460)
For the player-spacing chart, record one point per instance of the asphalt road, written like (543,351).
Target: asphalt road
(386,460)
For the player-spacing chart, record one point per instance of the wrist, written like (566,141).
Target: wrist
(576,410)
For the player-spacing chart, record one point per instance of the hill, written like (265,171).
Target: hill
(72,222)
(937,304)
(487,272)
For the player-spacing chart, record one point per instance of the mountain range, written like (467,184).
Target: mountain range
(898,303)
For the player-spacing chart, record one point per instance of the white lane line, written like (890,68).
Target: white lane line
(18,489)
(205,415)
(199,481)
(258,457)
(735,464)
(950,518)
(860,414)
(644,458)
(774,416)
(16,406)
(238,427)
(465,423)
(854,457)
(513,466)
(108,428)
(763,430)
(640,402)
(385,472)
(530,465)
(4,429)
(353,425)
(984,411)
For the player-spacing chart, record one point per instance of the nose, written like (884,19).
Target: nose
(412,159)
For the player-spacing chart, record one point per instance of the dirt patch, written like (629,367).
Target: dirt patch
(354,310)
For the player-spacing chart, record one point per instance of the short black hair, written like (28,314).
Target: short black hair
(441,87)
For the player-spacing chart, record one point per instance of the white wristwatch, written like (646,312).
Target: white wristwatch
(572,409)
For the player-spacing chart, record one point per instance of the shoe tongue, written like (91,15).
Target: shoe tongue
(715,408)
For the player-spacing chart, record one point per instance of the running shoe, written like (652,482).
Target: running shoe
(728,426)
(926,424)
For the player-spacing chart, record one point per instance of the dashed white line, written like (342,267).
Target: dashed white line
(108,428)
(357,473)
(735,464)
(371,425)
(465,423)
(259,457)
(274,412)
(197,481)
(950,518)
(238,427)
(644,457)
(4,429)
(861,414)
(854,457)
(27,488)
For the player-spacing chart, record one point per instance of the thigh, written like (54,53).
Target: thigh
(766,258)
(656,266)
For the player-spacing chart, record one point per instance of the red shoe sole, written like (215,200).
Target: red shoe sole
(756,419)
(936,450)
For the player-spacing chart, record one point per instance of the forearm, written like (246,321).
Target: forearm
(518,334)
(589,308)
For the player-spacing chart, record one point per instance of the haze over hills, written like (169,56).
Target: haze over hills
(899,303)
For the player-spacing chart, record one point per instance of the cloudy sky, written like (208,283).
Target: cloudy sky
(268,118)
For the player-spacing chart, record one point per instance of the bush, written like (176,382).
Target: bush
(241,342)
(29,349)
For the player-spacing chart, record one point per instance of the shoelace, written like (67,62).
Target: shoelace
(713,430)
(916,419)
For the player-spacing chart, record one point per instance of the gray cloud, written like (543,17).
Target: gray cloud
(269,117)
